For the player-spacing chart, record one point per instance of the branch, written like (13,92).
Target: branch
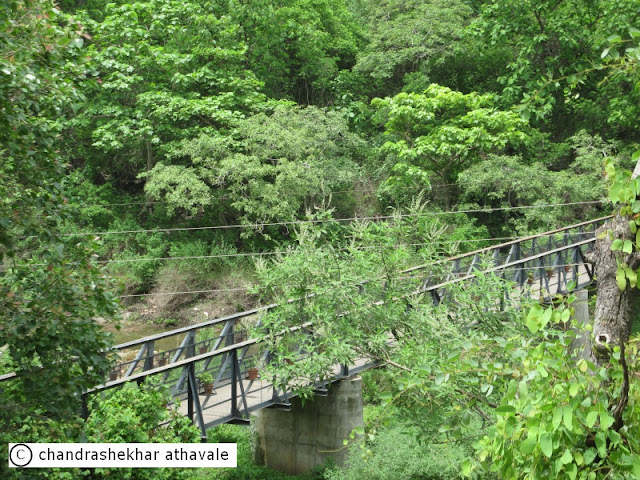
(475,397)
(397,365)
(624,395)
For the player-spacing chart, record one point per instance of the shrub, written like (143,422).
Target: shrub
(132,415)
(396,454)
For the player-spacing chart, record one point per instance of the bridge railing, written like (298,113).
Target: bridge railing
(544,263)
(220,346)
(242,394)
(531,260)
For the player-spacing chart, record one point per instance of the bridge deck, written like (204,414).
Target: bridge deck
(217,408)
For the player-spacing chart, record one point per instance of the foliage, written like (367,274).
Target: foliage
(34,427)
(346,293)
(555,62)
(50,288)
(297,47)
(403,36)
(132,415)
(246,469)
(347,299)
(160,72)
(280,165)
(504,181)
(556,418)
(442,132)
(397,452)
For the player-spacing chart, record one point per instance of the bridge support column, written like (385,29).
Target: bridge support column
(295,441)
(582,343)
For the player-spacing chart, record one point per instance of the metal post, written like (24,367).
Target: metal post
(148,361)
(85,407)
(191,383)
(189,396)
(234,384)
(195,400)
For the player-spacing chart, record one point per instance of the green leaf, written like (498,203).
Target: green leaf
(385,398)
(542,371)
(606,421)
(523,390)
(621,279)
(590,455)
(566,457)
(601,444)
(632,276)
(592,416)
(546,444)
(533,320)
(466,468)
(627,247)
(528,445)
(616,244)
(574,389)
(505,409)
(557,419)
(567,417)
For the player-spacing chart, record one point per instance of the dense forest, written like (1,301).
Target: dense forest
(156,155)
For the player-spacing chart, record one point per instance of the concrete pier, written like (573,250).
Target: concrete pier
(295,441)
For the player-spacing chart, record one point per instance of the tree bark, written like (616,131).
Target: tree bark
(613,308)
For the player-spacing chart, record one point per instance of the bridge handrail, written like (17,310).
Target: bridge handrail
(197,326)
(509,243)
(510,264)
(247,313)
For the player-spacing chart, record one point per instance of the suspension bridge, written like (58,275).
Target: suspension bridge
(539,265)
(543,264)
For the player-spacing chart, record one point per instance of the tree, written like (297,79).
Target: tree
(442,132)
(511,181)
(616,252)
(138,415)
(404,36)
(555,67)
(160,72)
(279,165)
(616,259)
(297,47)
(50,289)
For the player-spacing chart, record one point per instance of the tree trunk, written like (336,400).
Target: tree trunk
(613,308)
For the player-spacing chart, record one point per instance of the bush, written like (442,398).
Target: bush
(246,469)
(557,418)
(132,415)
(397,455)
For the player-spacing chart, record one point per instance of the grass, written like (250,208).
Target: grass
(246,469)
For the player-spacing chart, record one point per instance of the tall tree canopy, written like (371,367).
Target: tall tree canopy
(162,71)
(50,292)
(278,165)
(441,132)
